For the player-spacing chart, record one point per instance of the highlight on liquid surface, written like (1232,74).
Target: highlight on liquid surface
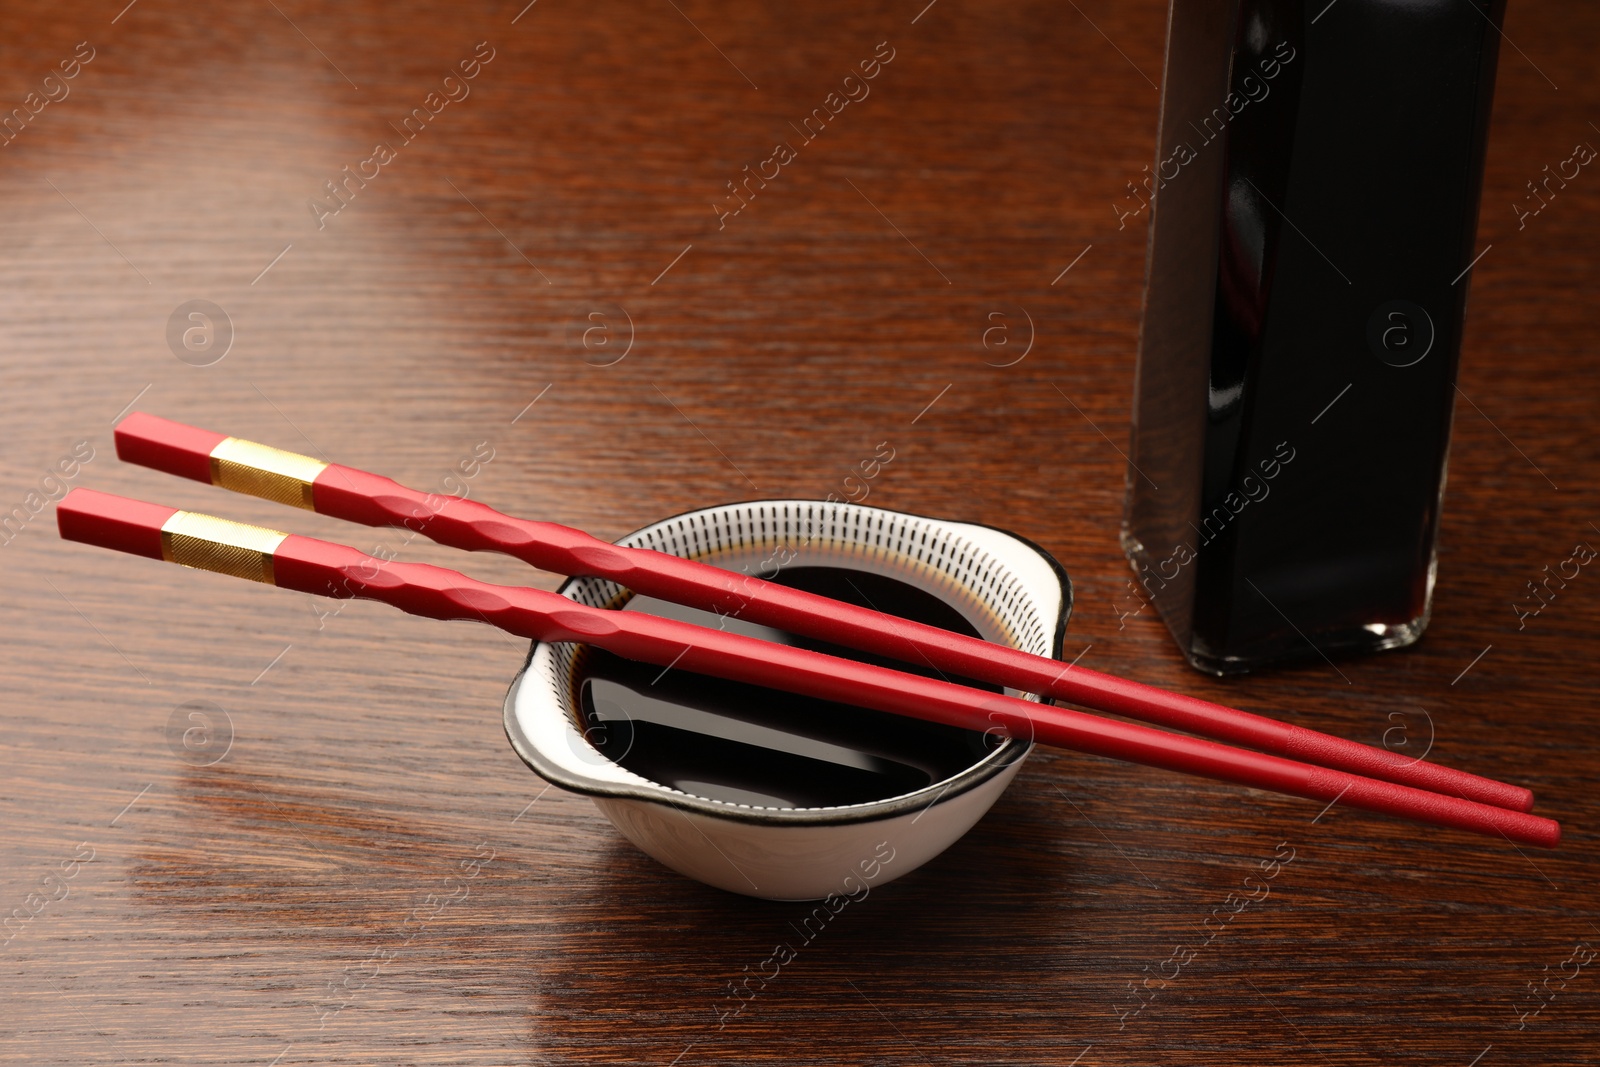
(748,744)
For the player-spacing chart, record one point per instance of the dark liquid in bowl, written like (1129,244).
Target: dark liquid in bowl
(752,745)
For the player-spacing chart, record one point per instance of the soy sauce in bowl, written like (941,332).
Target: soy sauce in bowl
(747,744)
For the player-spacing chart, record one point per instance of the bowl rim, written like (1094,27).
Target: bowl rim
(1005,755)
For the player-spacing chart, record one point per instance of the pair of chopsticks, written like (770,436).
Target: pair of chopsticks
(1296,761)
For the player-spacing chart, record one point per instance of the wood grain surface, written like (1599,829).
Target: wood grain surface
(243,900)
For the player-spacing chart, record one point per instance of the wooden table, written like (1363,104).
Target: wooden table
(241,900)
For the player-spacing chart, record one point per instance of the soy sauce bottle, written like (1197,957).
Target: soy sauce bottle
(1313,212)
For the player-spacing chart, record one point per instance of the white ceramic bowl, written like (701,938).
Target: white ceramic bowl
(1007,588)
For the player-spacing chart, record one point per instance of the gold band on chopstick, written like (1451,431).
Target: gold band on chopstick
(211,544)
(264,471)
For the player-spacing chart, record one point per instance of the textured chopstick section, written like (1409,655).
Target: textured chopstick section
(184,537)
(208,543)
(264,471)
(229,462)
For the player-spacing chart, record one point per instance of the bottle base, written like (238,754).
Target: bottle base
(1301,649)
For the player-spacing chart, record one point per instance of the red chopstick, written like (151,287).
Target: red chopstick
(323,568)
(347,493)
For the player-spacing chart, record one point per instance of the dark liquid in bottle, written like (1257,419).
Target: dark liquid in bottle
(752,745)
(1288,466)
(1340,543)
